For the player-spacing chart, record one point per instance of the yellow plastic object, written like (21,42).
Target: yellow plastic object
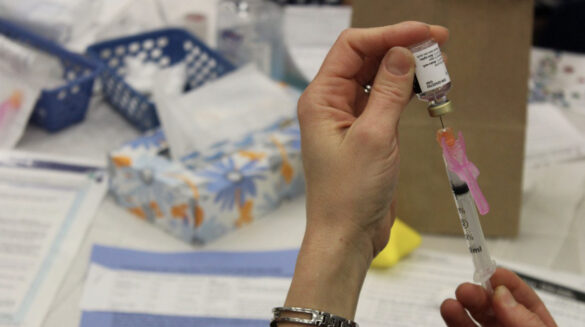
(403,240)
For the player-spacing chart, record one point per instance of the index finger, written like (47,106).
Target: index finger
(523,293)
(347,55)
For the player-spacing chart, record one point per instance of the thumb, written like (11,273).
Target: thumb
(511,313)
(391,90)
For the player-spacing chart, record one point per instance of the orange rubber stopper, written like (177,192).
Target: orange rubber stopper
(447,134)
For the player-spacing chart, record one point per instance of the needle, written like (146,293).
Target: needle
(441,119)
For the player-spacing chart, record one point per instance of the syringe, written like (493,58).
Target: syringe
(462,176)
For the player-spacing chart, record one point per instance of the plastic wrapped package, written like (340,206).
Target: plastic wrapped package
(57,20)
(17,99)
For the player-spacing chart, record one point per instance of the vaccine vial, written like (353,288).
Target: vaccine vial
(431,81)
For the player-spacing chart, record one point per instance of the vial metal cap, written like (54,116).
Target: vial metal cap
(440,109)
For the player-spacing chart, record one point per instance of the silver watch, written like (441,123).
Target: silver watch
(318,318)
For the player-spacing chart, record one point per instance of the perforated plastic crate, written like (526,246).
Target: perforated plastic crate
(164,47)
(65,105)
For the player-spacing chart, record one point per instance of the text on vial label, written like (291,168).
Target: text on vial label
(431,72)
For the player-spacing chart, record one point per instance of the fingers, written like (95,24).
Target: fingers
(508,312)
(511,313)
(346,57)
(513,304)
(454,314)
(476,300)
(370,63)
(391,91)
(368,71)
(439,34)
(521,293)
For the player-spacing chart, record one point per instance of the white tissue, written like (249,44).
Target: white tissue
(141,74)
(224,110)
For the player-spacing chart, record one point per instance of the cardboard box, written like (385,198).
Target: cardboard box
(206,196)
(488,56)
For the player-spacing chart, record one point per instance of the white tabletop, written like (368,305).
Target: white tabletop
(553,215)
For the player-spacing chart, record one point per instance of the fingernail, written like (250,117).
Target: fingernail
(504,296)
(399,61)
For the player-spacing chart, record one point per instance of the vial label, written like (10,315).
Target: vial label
(431,72)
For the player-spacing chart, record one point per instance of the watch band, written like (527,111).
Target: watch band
(318,318)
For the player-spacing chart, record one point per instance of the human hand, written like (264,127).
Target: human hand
(349,139)
(350,155)
(513,304)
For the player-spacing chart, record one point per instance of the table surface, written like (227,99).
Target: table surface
(553,214)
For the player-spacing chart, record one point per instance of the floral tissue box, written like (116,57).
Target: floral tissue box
(206,195)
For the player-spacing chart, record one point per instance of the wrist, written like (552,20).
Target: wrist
(334,242)
(329,273)
(340,221)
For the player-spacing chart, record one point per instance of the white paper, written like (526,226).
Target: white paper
(181,294)
(409,294)
(550,136)
(128,287)
(565,311)
(47,205)
(552,222)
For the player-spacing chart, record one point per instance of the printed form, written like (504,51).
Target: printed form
(551,137)
(46,206)
(135,288)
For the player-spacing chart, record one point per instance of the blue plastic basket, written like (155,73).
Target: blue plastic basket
(164,47)
(65,105)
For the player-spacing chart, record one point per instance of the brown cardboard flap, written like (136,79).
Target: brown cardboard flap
(488,54)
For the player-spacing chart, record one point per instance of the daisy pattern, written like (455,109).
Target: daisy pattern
(234,185)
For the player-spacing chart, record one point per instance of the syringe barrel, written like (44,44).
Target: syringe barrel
(484,265)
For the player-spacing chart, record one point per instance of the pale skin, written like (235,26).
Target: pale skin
(351,161)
